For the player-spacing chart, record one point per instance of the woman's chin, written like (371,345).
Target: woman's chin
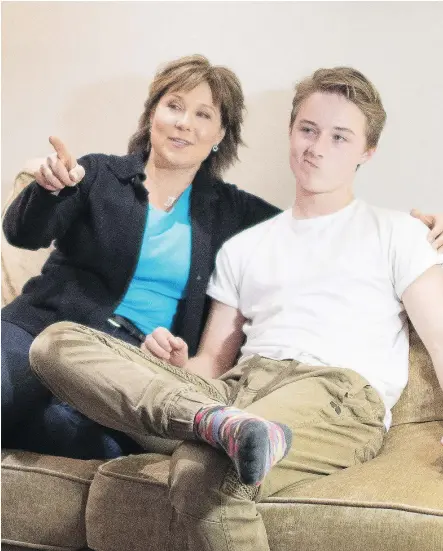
(175,161)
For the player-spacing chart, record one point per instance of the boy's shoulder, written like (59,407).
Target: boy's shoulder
(248,237)
(395,221)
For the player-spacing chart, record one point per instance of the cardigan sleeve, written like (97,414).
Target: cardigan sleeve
(36,217)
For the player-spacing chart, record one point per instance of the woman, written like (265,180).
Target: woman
(136,242)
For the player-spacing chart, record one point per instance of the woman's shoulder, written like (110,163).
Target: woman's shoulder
(124,164)
(251,209)
(100,166)
(228,190)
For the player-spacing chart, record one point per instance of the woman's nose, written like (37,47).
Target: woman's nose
(183,121)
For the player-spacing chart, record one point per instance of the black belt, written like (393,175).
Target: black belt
(133,330)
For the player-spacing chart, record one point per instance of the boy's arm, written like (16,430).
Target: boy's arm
(220,343)
(423,301)
(218,348)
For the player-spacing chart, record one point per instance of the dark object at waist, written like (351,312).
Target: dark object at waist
(124,323)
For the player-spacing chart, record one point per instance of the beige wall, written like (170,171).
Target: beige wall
(80,70)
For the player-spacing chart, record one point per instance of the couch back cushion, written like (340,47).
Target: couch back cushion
(18,265)
(422,399)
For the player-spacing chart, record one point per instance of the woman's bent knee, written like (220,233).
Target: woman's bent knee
(197,472)
(45,351)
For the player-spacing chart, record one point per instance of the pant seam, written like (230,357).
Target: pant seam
(116,344)
(223,507)
(225,528)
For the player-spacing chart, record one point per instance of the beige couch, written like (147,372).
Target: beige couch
(394,502)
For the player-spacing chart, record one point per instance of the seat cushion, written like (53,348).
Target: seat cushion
(44,500)
(392,502)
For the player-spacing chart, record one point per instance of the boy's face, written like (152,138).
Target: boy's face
(327,142)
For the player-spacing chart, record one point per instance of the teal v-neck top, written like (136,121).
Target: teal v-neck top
(162,271)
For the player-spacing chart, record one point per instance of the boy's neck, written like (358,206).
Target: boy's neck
(312,205)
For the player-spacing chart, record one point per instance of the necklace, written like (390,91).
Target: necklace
(170,201)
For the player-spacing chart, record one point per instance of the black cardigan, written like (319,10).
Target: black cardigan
(98,226)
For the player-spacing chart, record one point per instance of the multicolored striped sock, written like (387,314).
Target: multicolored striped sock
(253,444)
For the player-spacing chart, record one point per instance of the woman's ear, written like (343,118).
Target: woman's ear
(221,134)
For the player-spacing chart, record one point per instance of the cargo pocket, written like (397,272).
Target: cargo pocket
(366,405)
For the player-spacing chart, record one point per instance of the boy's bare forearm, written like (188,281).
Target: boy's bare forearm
(220,342)
(205,366)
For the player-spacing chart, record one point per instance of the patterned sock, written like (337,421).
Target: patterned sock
(253,444)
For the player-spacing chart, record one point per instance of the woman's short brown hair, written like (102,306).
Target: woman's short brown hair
(185,74)
(351,84)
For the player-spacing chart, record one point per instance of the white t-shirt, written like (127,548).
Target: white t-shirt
(327,290)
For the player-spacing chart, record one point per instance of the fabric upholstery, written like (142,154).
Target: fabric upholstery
(392,502)
(422,399)
(18,265)
(44,500)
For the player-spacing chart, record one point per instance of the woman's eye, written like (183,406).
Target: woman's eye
(204,114)
(174,106)
(338,138)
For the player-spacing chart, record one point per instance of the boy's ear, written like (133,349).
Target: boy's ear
(367,155)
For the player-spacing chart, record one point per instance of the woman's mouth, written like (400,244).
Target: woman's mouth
(178,142)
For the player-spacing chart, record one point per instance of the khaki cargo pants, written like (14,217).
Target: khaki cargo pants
(335,415)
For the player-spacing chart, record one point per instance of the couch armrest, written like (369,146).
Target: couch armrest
(406,475)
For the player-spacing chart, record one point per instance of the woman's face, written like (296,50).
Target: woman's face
(184,128)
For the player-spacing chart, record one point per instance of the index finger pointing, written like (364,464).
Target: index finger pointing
(62,153)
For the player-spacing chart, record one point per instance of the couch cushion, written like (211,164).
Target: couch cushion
(44,500)
(392,502)
(422,399)
(18,265)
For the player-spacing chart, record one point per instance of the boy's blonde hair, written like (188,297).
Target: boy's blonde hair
(354,86)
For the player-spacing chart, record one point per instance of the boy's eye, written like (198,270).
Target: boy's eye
(204,114)
(339,138)
(307,129)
